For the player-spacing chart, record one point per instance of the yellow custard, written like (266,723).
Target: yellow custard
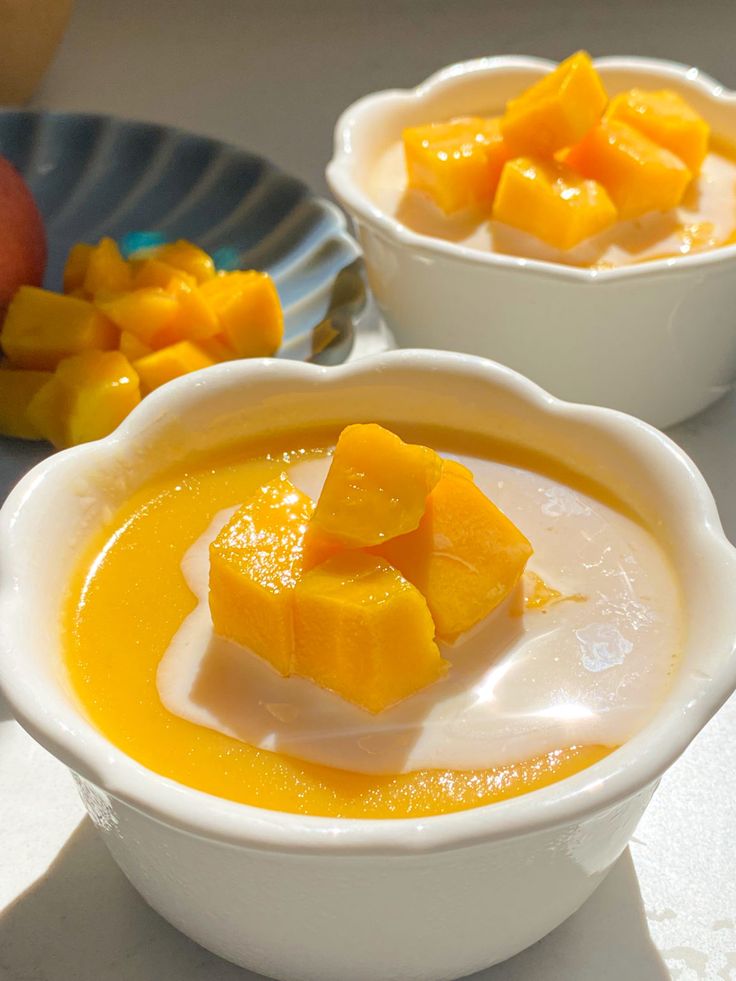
(130,598)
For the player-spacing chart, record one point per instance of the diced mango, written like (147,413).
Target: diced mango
(132,347)
(75,269)
(147,313)
(639,175)
(665,117)
(457,164)
(364,632)
(248,309)
(376,486)
(88,396)
(154,273)
(465,557)
(216,348)
(187,257)
(548,199)
(255,563)
(456,468)
(195,319)
(17,389)
(171,362)
(557,111)
(107,271)
(42,327)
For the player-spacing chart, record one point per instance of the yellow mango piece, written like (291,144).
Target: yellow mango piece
(457,164)
(147,313)
(255,563)
(75,269)
(376,487)
(548,199)
(364,632)
(556,111)
(155,273)
(17,389)
(42,327)
(171,362)
(464,558)
(132,347)
(665,117)
(216,348)
(456,469)
(195,319)
(187,257)
(248,310)
(88,396)
(107,271)
(639,175)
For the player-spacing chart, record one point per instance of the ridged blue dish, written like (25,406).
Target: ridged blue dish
(95,175)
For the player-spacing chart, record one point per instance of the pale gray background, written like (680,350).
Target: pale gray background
(273,76)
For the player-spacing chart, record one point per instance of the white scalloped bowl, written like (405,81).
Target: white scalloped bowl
(656,339)
(316,899)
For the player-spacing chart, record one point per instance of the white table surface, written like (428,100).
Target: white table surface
(272,77)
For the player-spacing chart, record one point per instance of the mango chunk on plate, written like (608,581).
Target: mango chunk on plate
(457,164)
(17,389)
(255,563)
(248,310)
(106,270)
(186,257)
(86,398)
(465,557)
(170,362)
(363,631)
(556,111)
(132,347)
(41,328)
(665,117)
(376,487)
(75,268)
(146,313)
(639,175)
(548,199)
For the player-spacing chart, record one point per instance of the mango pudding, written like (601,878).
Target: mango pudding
(371,623)
(566,175)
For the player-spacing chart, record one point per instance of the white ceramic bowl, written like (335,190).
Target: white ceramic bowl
(656,339)
(317,899)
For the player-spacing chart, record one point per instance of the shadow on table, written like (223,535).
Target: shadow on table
(83,920)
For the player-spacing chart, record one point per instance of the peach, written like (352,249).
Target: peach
(22,235)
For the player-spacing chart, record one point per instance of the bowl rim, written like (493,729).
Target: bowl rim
(347,190)
(38,703)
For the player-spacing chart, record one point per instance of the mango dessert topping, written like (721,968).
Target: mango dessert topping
(255,564)
(458,164)
(567,167)
(667,119)
(557,110)
(376,487)
(355,616)
(166,309)
(465,557)
(362,630)
(639,175)
(550,200)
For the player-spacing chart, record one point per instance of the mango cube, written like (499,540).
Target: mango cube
(547,199)
(41,328)
(665,117)
(154,273)
(107,272)
(556,111)
(171,362)
(76,265)
(639,175)
(364,632)
(457,164)
(248,310)
(376,486)
(132,347)
(17,389)
(216,348)
(255,563)
(187,257)
(195,319)
(88,396)
(147,313)
(465,557)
